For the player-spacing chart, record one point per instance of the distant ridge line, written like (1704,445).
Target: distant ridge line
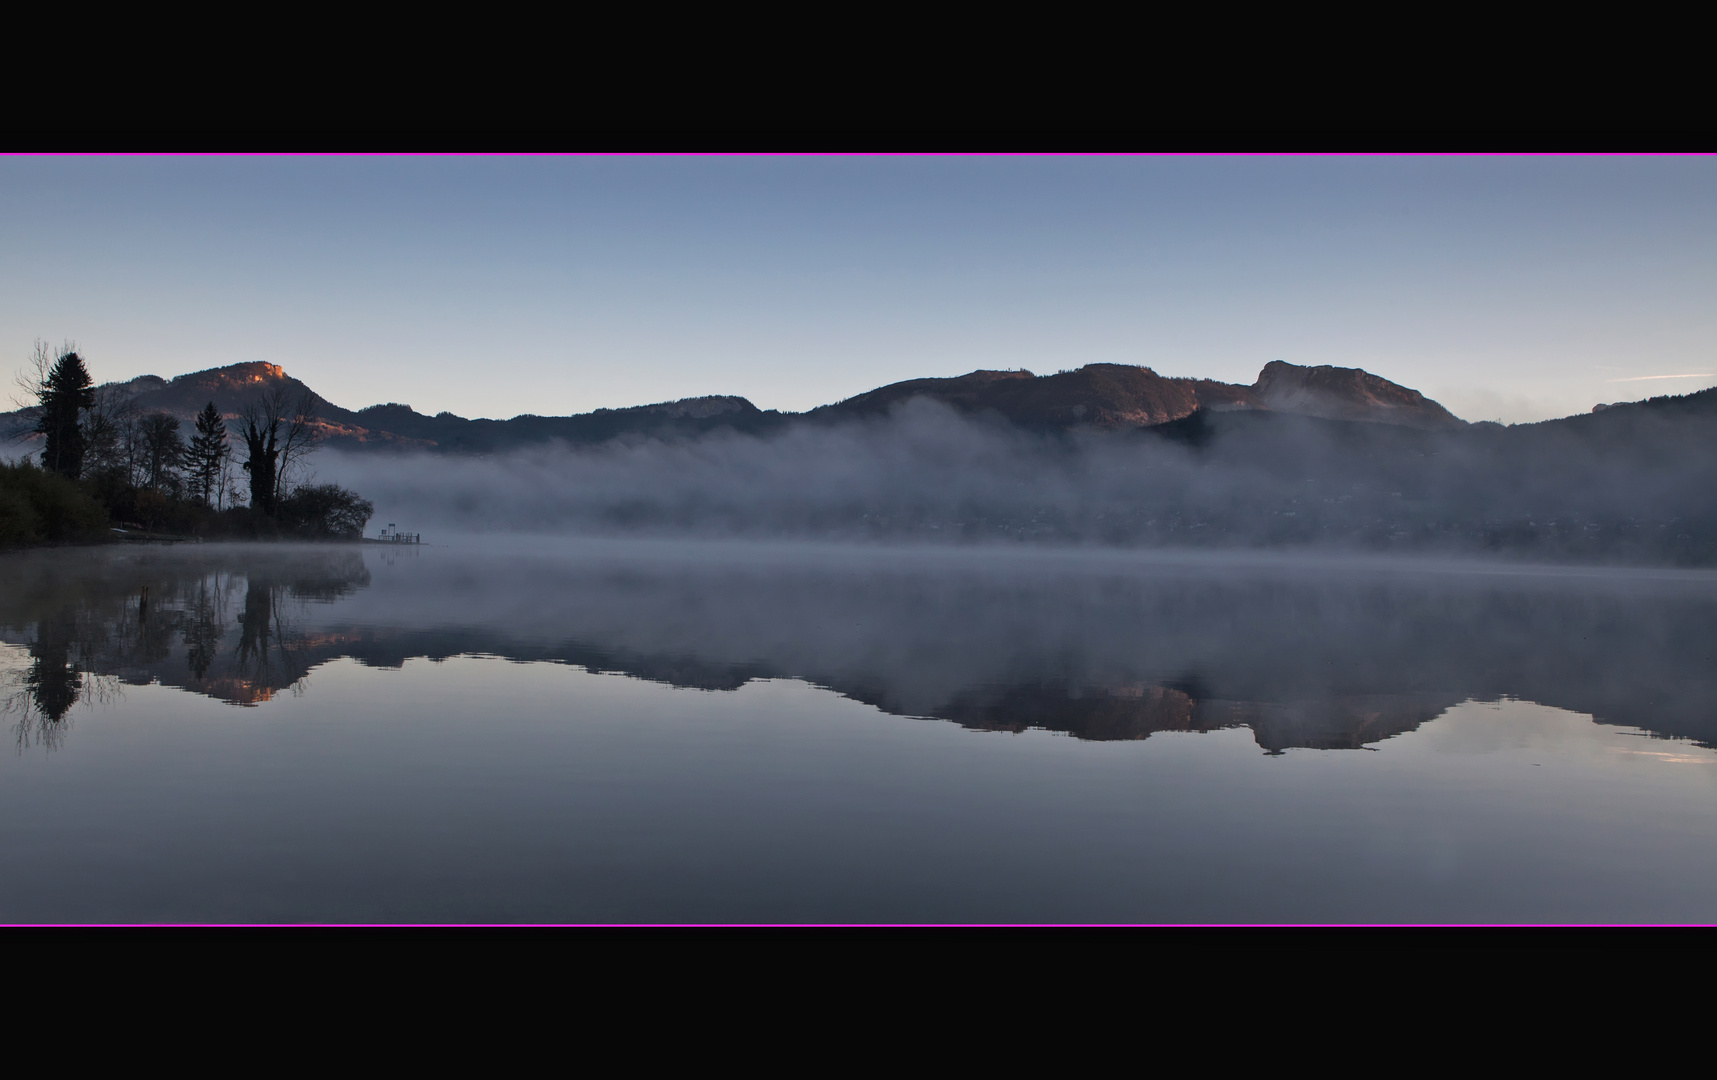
(1101,396)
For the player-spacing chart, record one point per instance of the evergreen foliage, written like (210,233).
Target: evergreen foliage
(64,396)
(207,451)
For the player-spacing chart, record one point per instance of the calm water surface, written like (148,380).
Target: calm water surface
(561,730)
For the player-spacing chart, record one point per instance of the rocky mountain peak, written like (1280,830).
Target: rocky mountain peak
(1336,393)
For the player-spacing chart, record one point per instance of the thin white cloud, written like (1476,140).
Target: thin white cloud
(1691,375)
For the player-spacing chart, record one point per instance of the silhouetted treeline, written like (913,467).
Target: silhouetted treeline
(109,470)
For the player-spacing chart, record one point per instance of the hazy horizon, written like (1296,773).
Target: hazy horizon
(1506,288)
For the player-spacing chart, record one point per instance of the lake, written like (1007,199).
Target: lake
(558,730)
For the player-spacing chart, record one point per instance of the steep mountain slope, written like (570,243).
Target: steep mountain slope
(1097,395)
(1346,394)
(1109,396)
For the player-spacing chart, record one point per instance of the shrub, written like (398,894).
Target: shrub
(18,521)
(326,511)
(38,506)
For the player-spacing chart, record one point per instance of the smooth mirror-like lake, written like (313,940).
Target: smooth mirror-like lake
(556,730)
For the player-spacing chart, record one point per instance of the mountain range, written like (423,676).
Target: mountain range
(1097,396)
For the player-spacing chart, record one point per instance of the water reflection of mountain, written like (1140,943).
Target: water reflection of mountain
(1100,648)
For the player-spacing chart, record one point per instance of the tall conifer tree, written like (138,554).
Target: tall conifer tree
(66,393)
(208,449)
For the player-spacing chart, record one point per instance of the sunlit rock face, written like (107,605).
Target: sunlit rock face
(1097,396)
(1109,396)
(1347,394)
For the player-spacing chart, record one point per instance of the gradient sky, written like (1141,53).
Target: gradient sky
(1511,288)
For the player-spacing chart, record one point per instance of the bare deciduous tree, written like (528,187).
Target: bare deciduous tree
(279,430)
(163,451)
(108,427)
(33,379)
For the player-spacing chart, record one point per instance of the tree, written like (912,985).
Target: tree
(327,511)
(108,433)
(162,451)
(207,453)
(64,394)
(274,451)
(226,484)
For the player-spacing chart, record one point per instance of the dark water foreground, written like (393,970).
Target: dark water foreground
(614,731)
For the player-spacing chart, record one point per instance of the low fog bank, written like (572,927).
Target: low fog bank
(927,473)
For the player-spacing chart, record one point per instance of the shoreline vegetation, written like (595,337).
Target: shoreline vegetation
(110,473)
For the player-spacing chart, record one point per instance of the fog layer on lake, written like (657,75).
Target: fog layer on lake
(1237,480)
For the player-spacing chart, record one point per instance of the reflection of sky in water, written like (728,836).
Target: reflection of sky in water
(475,788)
(709,736)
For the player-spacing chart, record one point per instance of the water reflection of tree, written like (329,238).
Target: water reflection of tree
(92,622)
(56,679)
(265,654)
(204,621)
(152,638)
(33,727)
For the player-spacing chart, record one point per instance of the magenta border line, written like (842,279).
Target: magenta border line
(861,926)
(860,153)
(852,154)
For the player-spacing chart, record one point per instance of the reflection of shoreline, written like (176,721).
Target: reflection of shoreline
(1100,713)
(218,623)
(1107,714)
(1311,661)
(1130,712)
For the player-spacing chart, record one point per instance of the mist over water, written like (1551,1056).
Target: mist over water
(925,473)
(922,471)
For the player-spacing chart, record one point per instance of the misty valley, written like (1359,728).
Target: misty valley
(539,728)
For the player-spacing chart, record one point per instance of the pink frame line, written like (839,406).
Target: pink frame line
(854,926)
